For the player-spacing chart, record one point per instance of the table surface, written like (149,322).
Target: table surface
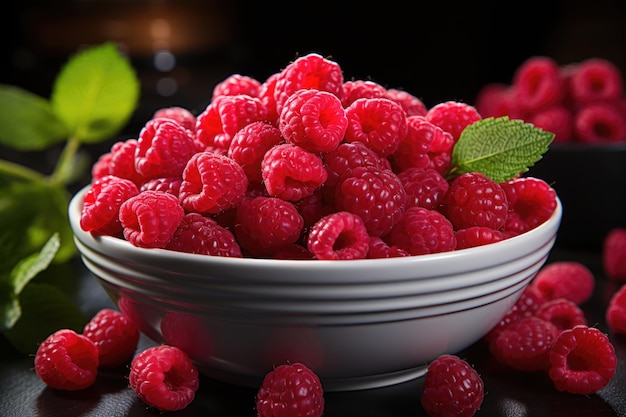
(507,392)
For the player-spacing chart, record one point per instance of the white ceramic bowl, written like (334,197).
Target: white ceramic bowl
(358,324)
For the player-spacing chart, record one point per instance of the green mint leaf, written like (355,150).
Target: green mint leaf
(499,148)
(27,122)
(10,309)
(95,93)
(45,309)
(29,267)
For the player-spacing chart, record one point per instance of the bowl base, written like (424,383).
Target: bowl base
(329,384)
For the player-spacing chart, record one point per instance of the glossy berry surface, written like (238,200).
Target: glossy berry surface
(114,335)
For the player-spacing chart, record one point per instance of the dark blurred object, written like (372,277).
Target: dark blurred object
(591,183)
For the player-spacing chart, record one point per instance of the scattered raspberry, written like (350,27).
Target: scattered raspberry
(452,388)
(424,146)
(356,89)
(557,119)
(150,218)
(614,254)
(314,120)
(377,122)
(266,225)
(422,231)
(524,345)
(424,187)
(290,390)
(163,149)
(475,200)
(236,84)
(538,83)
(212,183)
(531,202)
(114,335)
(453,117)
(378,248)
(308,71)
(250,144)
(477,236)
(66,360)
(203,235)
(582,360)
(565,279)
(164,377)
(376,195)
(340,235)
(594,80)
(225,116)
(616,311)
(412,105)
(180,115)
(496,100)
(600,122)
(291,172)
(561,312)
(101,204)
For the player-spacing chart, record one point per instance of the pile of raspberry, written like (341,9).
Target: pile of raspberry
(306,165)
(580,102)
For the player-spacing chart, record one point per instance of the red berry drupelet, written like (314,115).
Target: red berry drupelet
(452,388)
(314,120)
(614,254)
(421,231)
(66,360)
(290,390)
(164,377)
(339,235)
(203,235)
(150,218)
(425,187)
(114,335)
(250,144)
(102,202)
(582,360)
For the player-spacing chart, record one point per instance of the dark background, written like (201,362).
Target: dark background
(437,50)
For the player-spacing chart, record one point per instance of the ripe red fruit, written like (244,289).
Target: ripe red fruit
(114,335)
(566,279)
(616,311)
(614,254)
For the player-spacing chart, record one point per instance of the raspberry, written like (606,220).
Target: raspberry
(524,345)
(266,95)
(313,207)
(203,235)
(421,231)
(250,144)
(150,218)
(356,89)
(164,377)
(114,335)
(496,100)
(412,105)
(599,122)
(556,119)
(616,311)
(378,248)
(266,225)
(212,183)
(374,194)
(163,149)
(314,120)
(347,156)
(593,80)
(424,187)
(122,161)
(294,252)
(561,312)
(225,116)
(477,236)
(236,84)
(290,390)
(614,254)
(181,115)
(340,235)
(425,146)
(291,172)
(582,360)
(101,205)
(531,202)
(66,360)
(377,122)
(168,185)
(538,83)
(308,71)
(101,168)
(452,388)
(526,305)
(475,200)
(565,279)
(453,117)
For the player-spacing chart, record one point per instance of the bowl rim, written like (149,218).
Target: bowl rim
(317,271)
